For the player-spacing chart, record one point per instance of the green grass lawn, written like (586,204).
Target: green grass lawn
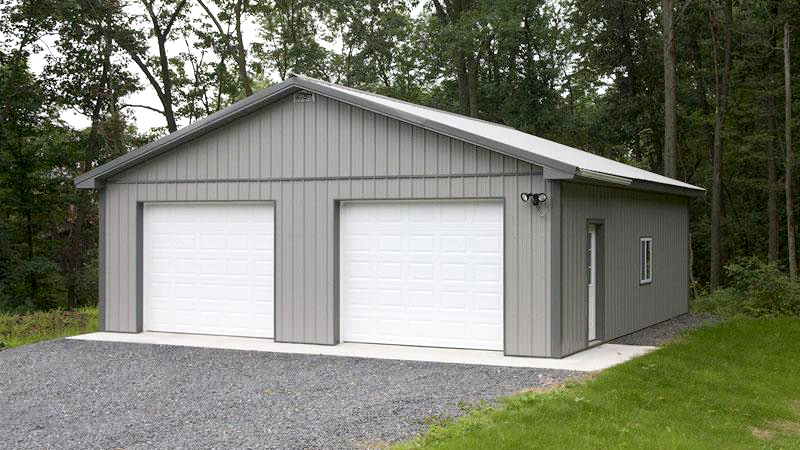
(21,329)
(732,386)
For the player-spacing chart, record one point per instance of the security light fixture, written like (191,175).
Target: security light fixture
(534,198)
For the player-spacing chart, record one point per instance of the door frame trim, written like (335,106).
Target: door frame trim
(600,280)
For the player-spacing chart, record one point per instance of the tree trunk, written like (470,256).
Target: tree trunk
(29,241)
(463,84)
(692,284)
(790,224)
(166,82)
(74,257)
(472,84)
(717,153)
(772,188)
(449,14)
(670,93)
(716,197)
(241,54)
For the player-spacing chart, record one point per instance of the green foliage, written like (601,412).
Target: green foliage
(22,329)
(704,391)
(48,231)
(755,289)
(292,41)
(585,73)
(765,289)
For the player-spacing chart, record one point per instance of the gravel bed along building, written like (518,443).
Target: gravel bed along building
(660,333)
(78,394)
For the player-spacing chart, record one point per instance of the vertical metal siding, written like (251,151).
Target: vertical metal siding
(627,215)
(306,157)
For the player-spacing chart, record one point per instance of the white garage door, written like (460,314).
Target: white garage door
(208,268)
(424,273)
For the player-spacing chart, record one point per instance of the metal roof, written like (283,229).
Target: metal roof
(559,161)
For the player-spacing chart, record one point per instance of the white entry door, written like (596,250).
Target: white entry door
(592,280)
(209,268)
(426,273)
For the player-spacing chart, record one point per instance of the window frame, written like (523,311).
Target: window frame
(645,260)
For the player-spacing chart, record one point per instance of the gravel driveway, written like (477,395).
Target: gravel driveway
(80,394)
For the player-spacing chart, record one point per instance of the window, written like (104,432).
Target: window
(645,260)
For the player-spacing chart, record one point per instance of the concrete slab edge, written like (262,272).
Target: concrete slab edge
(593,359)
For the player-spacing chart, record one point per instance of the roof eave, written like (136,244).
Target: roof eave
(642,185)
(638,185)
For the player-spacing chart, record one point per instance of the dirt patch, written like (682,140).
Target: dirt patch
(779,427)
(372,445)
(549,386)
(776,428)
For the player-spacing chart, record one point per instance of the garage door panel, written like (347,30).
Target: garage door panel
(422,300)
(421,243)
(263,242)
(488,332)
(423,273)
(209,268)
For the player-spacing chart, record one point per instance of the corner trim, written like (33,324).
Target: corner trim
(337,257)
(139,267)
(101,258)
(554,192)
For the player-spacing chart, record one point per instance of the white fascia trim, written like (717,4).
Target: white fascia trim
(604,177)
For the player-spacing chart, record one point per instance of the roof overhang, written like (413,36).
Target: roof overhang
(598,178)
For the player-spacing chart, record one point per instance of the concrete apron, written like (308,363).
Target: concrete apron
(595,358)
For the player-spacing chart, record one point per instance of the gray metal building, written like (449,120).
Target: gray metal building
(315,213)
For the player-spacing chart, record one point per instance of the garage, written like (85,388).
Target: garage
(208,268)
(425,273)
(314,213)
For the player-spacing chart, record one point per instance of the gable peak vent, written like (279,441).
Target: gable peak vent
(303,97)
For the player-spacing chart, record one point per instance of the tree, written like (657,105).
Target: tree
(162,20)
(26,128)
(459,28)
(587,73)
(788,166)
(27,278)
(381,47)
(291,37)
(722,83)
(618,43)
(670,93)
(772,190)
(228,49)
(85,45)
